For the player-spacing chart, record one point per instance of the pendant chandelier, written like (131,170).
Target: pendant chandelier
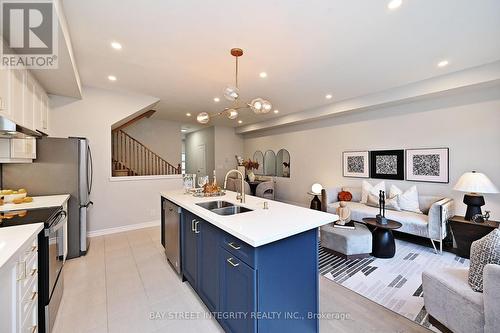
(232,93)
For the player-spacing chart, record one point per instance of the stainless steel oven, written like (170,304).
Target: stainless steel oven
(55,241)
(52,251)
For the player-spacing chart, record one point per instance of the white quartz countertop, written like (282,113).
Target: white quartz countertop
(38,202)
(14,238)
(260,226)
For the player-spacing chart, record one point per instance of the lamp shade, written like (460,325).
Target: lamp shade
(316,188)
(475,182)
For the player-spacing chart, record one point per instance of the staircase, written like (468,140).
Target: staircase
(132,158)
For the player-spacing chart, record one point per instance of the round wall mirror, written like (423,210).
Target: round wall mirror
(283,163)
(259,158)
(269,163)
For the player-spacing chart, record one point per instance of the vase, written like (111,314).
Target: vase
(251,176)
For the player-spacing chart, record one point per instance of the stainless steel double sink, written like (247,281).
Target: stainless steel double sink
(221,207)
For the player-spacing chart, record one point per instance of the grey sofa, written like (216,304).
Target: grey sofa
(451,302)
(431,224)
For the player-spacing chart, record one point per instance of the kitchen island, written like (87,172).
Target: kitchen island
(257,270)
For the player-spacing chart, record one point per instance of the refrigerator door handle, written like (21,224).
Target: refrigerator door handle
(90,203)
(90,172)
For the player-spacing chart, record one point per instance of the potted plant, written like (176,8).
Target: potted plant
(249,167)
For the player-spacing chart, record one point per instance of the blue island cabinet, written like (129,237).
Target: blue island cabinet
(266,289)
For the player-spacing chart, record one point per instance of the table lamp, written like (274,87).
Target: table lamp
(474,183)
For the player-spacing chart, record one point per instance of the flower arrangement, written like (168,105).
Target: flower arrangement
(250,165)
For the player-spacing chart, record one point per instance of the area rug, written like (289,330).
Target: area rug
(394,283)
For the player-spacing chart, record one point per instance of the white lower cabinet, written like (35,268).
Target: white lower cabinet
(19,290)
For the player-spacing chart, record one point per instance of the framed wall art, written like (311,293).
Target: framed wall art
(355,164)
(428,165)
(387,164)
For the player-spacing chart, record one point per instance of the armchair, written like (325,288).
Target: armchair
(453,305)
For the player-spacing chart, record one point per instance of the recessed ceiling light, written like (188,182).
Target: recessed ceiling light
(276,111)
(263,75)
(443,63)
(394,4)
(216,99)
(116,45)
(188,114)
(183,130)
(111,78)
(240,121)
(328,96)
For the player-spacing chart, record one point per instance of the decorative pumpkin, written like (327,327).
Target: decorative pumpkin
(345,196)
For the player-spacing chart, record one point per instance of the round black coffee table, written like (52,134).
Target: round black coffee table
(383,245)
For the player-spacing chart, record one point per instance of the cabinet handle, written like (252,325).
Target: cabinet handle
(34,329)
(230,260)
(234,246)
(32,249)
(196,227)
(33,297)
(34,271)
(192,225)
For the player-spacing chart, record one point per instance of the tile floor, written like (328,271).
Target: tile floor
(120,282)
(125,277)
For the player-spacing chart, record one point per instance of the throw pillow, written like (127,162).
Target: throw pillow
(390,203)
(344,196)
(368,188)
(482,252)
(355,192)
(407,200)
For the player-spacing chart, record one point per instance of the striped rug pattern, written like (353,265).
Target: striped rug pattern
(394,283)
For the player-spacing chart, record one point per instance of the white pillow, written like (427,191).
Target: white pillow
(408,200)
(367,188)
(390,203)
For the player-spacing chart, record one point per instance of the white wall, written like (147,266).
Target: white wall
(161,136)
(116,203)
(468,123)
(227,145)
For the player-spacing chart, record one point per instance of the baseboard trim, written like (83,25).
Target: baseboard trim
(129,227)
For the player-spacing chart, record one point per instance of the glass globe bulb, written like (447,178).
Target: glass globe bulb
(232,114)
(231,93)
(203,118)
(266,106)
(316,188)
(256,105)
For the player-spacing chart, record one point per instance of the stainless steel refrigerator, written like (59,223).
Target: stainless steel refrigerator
(62,165)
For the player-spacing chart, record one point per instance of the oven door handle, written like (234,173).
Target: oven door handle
(56,225)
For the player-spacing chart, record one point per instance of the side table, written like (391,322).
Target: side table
(465,232)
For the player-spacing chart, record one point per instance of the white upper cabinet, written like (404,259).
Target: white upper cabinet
(45,113)
(5,92)
(17,85)
(37,107)
(23,100)
(29,103)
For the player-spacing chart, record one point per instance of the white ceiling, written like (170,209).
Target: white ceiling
(179,50)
